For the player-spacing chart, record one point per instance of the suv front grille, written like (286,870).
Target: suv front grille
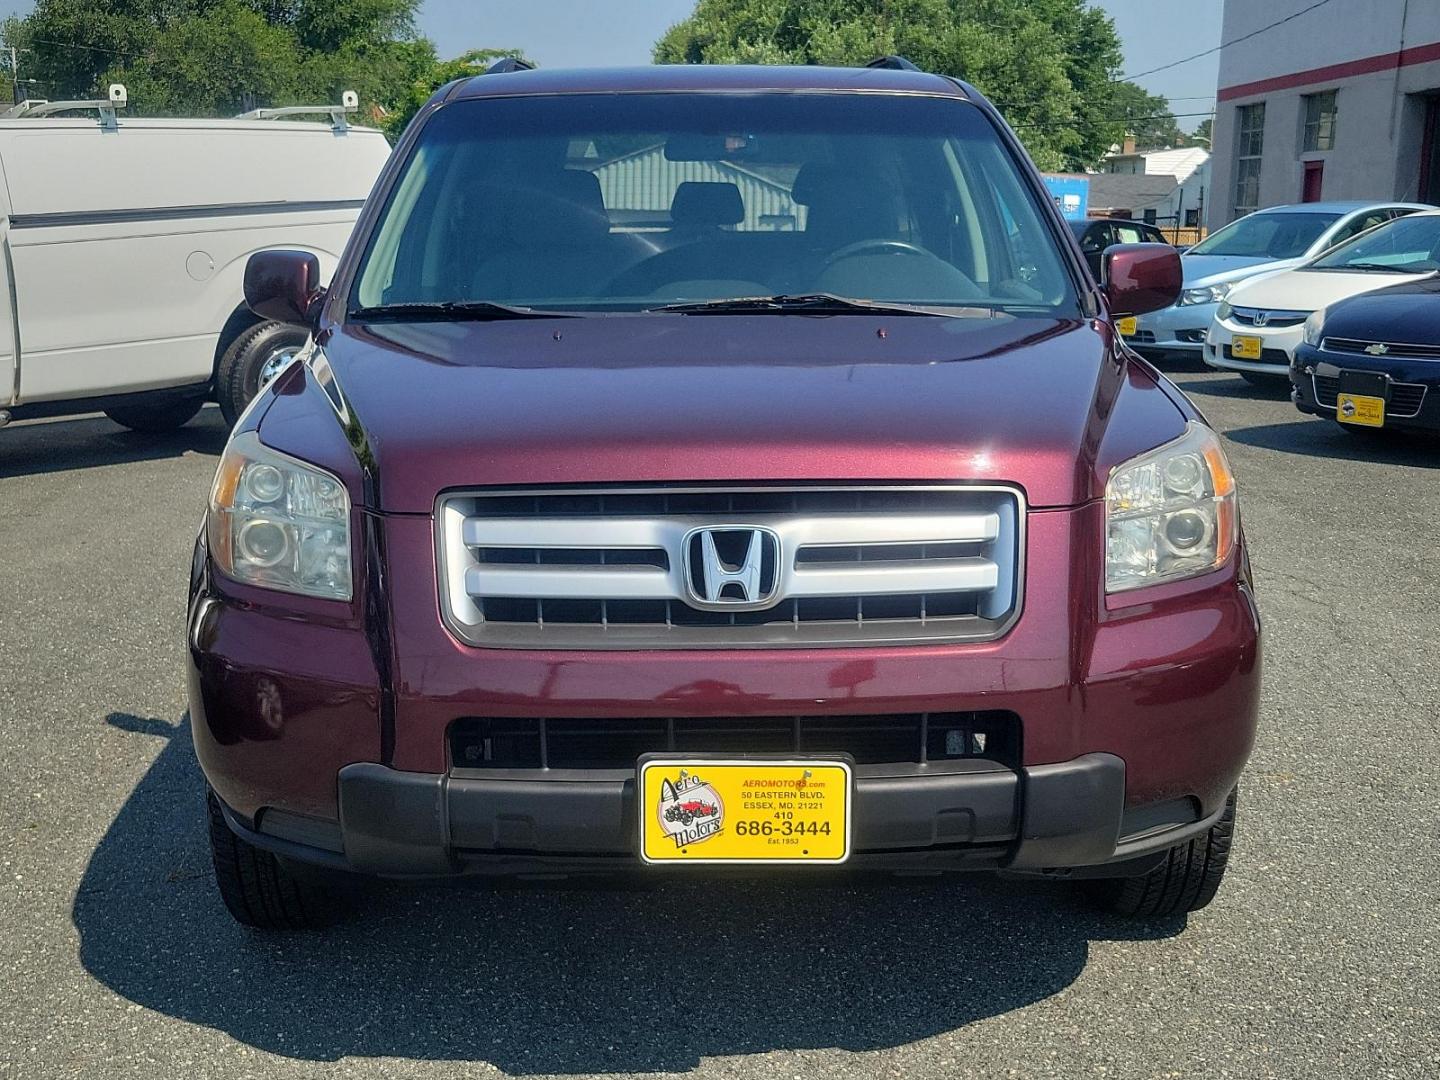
(626,569)
(580,744)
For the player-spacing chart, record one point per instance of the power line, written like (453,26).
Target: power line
(1227,44)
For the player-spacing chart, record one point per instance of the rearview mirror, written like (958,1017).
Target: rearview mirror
(1141,278)
(283,285)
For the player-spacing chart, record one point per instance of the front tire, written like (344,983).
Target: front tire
(1185,881)
(251,360)
(154,417)
(257,889)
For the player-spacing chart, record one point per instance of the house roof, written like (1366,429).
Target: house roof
(1129,191)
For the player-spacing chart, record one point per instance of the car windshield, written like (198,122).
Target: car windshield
(593,203)
(1267,236)
(1409,245)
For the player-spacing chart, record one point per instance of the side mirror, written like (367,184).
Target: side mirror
(283,285)
(1141,278)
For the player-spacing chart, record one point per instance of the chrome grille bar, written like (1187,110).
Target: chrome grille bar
(577,569)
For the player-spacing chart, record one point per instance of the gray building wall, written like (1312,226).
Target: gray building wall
(1380,112)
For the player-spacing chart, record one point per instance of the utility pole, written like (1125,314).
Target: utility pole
(14,77)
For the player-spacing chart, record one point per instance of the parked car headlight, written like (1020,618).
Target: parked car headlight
(279,523)
(1208,295)
(1170,513)
(1314,327)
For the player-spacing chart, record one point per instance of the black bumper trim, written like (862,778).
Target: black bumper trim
(1042,818)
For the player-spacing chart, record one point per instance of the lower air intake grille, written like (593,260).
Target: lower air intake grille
(902,738)
(1405,398)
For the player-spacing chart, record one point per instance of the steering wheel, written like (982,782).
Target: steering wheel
(874,247)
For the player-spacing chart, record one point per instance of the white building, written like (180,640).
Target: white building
(1183,205)
(1342,102)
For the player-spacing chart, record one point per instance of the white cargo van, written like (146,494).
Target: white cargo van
(124,246)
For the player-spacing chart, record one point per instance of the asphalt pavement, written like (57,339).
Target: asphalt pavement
(1318,959)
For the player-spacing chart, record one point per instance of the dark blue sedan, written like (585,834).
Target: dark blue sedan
(1373,361)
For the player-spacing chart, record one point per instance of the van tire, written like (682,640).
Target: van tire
(255,886)
(237,375)
(1184,881)
(157,416)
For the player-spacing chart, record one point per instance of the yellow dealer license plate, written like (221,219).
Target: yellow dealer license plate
(1359,409)
(1127,326)
(1245,347)
(741,810)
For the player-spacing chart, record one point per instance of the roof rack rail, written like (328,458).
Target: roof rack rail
(117,98)
(892,63)
(349,103)
(507,64)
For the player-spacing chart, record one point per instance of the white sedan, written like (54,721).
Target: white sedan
(1258,326)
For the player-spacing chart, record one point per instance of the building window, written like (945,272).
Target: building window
(1149,218)
(1249,141)
(1319,122)
(1192,218)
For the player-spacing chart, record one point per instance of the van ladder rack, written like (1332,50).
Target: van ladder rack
(349,103)
(106,107)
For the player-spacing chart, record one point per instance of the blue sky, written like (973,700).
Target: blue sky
(577,33)
(591,33)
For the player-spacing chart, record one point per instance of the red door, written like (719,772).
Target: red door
(1314,181)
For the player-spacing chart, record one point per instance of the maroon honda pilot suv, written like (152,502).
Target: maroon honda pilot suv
(705,465)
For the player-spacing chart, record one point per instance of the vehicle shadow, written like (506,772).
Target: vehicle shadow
(1234,388)
(569,980)
(86,442)
(1320,438)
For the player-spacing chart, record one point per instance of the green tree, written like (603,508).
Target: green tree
(1146,116)
(1202,133)
(432,78)
(213,57)
(1048,64)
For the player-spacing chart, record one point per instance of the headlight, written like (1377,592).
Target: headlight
(1223,311)
(279,523)
(1208,295)
(1314,327)
(1170,513)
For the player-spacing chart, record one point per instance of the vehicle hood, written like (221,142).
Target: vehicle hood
(1408,313)
(1202,270)
(423,407)
(1307,290)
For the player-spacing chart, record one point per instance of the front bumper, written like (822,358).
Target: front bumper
(316,728)
(1314,366)
(1178,330)
(1278,345)
(1042,819)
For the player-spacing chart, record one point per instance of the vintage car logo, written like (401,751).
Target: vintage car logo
(1378,349)
(689,810)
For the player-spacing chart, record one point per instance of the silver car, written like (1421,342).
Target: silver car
(1272,239)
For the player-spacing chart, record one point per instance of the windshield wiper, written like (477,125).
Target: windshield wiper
(456,310)
(1384,268)
(811,304)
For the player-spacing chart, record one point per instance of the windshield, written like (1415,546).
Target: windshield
(631,202)
(1267,236)
(1408,245)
